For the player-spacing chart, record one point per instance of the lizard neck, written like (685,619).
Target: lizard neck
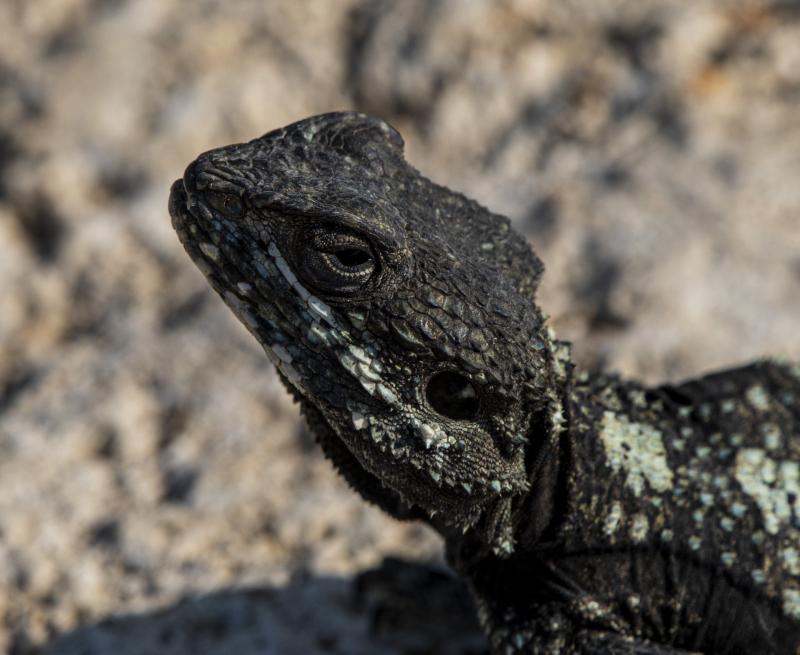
(538,513)
(530,520)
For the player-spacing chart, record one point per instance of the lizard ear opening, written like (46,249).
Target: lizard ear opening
(453,395)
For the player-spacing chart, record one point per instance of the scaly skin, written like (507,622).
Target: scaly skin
(589,514)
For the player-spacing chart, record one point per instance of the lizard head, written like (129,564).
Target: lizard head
(401,311)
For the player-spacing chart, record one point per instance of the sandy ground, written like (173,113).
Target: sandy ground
(157,492)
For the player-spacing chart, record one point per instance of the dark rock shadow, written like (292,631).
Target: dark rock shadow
(400,607)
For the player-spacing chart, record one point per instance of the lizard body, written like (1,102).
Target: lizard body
(588,513)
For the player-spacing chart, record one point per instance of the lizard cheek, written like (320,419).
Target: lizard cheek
(453,395)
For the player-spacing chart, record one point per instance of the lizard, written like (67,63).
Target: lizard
(587,512)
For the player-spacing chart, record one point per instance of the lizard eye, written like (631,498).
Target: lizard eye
(335,261)
(225,203)
(453,395)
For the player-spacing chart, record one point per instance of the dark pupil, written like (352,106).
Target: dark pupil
(452,395)
(352,257)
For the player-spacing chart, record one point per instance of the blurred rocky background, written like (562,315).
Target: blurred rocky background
(157,492)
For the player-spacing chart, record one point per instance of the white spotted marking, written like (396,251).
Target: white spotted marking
(359,420)
(791,601)
(613,519)
(738,510)
(359,353)
(772,436)
(317,334)
(791,560)
(320,309)
(210,251)
(769,483)
(387,394)
(758,398)
(357,318)
(638,449)
(428,434)
(639,528)
(346,360)
(287,273)
(368,373)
